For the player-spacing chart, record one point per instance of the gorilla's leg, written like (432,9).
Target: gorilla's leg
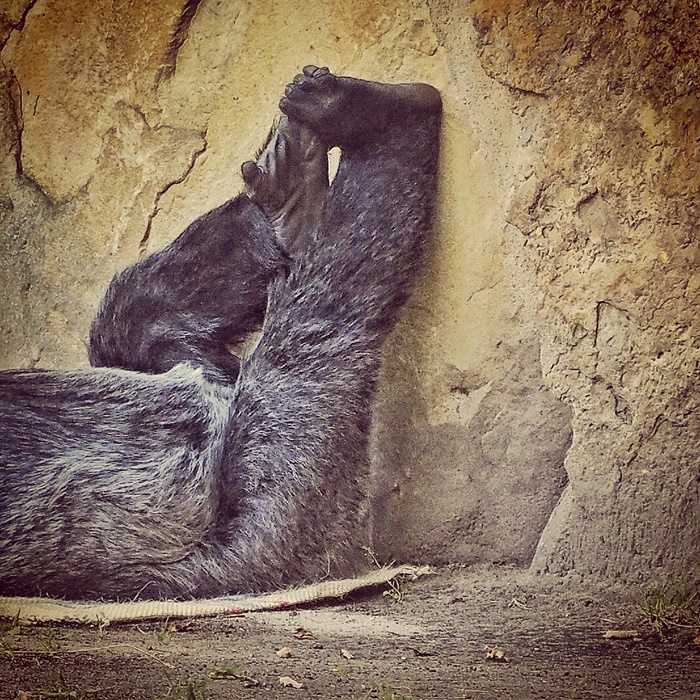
(297,451)
(190,301)
(293,485)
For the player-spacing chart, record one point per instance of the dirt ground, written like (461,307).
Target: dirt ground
(439,637)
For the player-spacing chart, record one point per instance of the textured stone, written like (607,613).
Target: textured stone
(607,213)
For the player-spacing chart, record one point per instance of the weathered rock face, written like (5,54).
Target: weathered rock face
(538,399)
(607,211)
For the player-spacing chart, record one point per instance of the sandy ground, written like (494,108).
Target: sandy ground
(439,637)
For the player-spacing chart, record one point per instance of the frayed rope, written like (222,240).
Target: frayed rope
(103,613)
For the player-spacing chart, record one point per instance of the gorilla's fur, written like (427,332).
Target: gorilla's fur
(171,469)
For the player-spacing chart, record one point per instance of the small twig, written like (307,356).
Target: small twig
(89,650)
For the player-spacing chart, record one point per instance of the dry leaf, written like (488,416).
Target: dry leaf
(233,673)
(288,682)
(421,652)
(284,653)
(620,634)
(496,654)
(347,654)
(302,633)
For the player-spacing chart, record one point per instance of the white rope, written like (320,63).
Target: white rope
(89,612)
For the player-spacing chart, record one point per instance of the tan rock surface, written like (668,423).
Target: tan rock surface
(607,214)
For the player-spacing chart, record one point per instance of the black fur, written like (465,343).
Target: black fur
(169,472)
(190,301)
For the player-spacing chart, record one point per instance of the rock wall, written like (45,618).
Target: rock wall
(606,212)
(538,402)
